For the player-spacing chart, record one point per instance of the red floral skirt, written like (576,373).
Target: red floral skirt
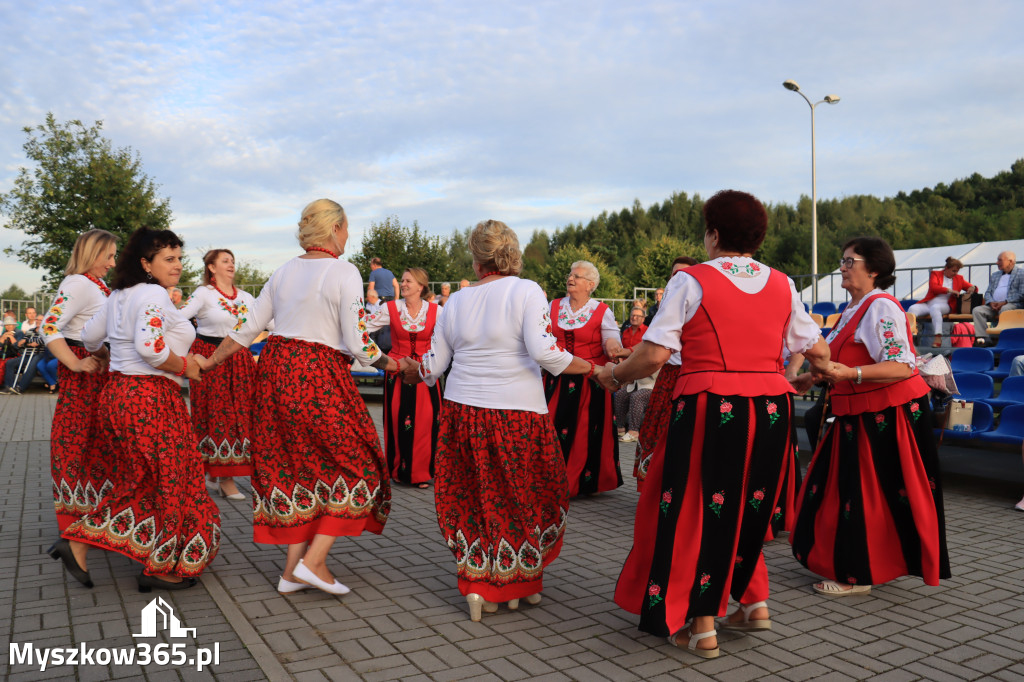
(222,412)
(711,491)
(411,425)
(870,508)
(81,460)
(317,463)
(659,409)
(159,511)
(501,498)
(581,412)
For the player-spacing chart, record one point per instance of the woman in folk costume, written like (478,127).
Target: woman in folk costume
(719,468)
(871,503)
(80,460)
(222,402)
(581,410)
(318,470)
(500,487)
(411,413)
(158,511)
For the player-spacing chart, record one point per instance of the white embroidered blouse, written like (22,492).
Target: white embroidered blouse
(217,314)
(882,330)
(78,299)
(570,319)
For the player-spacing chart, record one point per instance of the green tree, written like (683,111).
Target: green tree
(654,262)
(79,182)
(13,293)
(560,263)
(400,247)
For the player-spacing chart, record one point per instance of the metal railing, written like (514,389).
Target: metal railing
(908,281)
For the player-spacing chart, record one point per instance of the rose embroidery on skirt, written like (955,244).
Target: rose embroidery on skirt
(880,421)
(915,411)
(679,411)
(717,500)
(725,409)
(666,500)
(756,499)
(654,595)
(705,582)
(773,412)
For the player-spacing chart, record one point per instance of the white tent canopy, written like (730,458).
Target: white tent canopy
(914,265)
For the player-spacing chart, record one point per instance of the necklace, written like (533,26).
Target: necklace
(234,291)
(488,274)
(322,249)
(98,282)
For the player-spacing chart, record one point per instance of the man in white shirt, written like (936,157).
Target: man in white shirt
(32,322)
(1005,292)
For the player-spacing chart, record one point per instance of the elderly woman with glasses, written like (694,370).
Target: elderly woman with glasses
(871,503)
(943,287)
(582,410)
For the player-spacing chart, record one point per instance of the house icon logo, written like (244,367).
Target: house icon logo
(159,612)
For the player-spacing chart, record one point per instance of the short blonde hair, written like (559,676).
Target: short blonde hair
(317,222)
(420,276)
(88,248)
(493,243)
(589,270)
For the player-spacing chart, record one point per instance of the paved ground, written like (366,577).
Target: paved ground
(405,619)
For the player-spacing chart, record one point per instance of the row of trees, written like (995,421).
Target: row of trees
(79,182)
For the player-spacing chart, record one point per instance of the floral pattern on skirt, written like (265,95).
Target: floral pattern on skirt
(317,463)
(411,426)
(581,412)
(81,460)
(159,511)
(501,498)
(222,412)
(870,509)
(659,411)
(711,491)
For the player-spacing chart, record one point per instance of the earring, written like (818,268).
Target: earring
(149,276)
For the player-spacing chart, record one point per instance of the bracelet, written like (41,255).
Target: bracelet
(618,384)
(860,375)
(593,367)
(184,366)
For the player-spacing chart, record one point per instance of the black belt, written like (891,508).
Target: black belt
(212,340)
(74,344)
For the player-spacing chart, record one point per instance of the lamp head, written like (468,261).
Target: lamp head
(791,85)
(832,99)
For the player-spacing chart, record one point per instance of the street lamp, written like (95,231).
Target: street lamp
(830,99)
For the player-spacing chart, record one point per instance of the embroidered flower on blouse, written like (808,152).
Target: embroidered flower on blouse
(154,328)
(892,347)
(567,319)
(749,270)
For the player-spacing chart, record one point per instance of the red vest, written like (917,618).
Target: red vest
(850,398)
(733,343)
(584,341)
(405,343)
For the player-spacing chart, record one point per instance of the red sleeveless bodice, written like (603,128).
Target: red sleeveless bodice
(410,344)
(584,342)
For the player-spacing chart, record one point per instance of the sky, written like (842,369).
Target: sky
(539,114)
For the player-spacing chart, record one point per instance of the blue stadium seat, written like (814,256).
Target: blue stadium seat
(1010,429)
(1002,371)
(973,386)
(907,302)
(824,308)
(257,348)
(981,422)
(842,306)
(1011,339)
(1010,393)
(972,360)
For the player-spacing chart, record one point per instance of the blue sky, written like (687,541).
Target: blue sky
(538,114)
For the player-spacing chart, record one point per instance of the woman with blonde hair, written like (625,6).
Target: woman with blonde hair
(79,458)
(582,410)
(318,470)
(500,486)
(222,403)
(411,413)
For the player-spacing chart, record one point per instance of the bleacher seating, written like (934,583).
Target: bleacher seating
(818,319)
(974,386)
(1010,429)
(832,320)
(1008,319)
(907,302)
(824,308)
(981,421)
(1002,370)
(1010,339)
(842,306)
(972,360)
(1011,392)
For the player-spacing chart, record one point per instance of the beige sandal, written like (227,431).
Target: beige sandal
(834,589)
(747,625)
(695,637)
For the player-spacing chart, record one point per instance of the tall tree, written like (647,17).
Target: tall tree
(79,182)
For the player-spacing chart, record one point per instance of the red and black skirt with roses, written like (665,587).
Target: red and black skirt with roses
(870,508)
(316,457)
(584,421)
(81,460)
(159,511)
(659,410)
(222,412)
(711,491)
(501,497)
(411,426)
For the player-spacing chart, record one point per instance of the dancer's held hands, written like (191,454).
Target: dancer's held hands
(197,364)
(410,370)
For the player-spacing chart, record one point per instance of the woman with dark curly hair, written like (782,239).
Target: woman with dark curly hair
(871,503)
(158,512)
(222,402)
(718,471)
(318,470)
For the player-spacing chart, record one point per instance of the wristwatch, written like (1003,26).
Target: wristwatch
(618,384)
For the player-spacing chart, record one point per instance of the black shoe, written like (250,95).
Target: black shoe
(62,550)
(148,582)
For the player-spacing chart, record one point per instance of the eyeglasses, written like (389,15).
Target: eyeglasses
(573,275)
(848,262)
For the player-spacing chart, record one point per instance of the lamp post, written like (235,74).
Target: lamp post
(830,99)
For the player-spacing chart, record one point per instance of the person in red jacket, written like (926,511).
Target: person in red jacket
(937,303)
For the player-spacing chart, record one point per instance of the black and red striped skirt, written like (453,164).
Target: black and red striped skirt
(412,421)
(584,422)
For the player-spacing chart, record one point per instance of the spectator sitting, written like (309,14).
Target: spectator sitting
(653,310)
(640,303)
(32,323)
(382,281)
(1005,292)
(463,284)
(47,369)
(446,291)
(630,404)
(940,282)
(382,337)
(175,294)
(633,334)
(10,337)
(18,373)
